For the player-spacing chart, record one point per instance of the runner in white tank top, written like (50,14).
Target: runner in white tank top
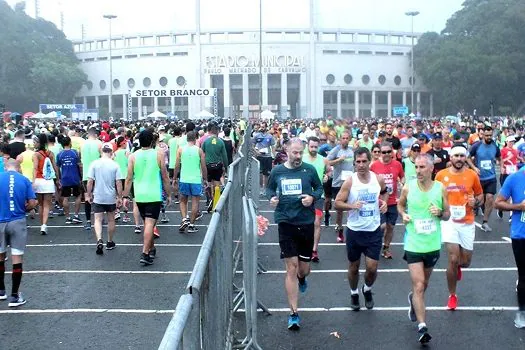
(364,195)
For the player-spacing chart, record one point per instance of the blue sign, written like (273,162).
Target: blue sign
(400,110)
(50,106)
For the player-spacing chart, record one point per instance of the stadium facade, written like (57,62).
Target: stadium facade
(310,72)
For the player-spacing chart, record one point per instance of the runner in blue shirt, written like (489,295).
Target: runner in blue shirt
(16,198)
(514,190)
(69,170)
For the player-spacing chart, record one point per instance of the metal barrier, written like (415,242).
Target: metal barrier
(204,316)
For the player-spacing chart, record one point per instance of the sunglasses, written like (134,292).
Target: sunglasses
(386,152)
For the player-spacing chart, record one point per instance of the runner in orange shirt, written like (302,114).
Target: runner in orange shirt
(464,193)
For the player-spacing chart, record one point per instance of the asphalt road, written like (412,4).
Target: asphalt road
(79,300)
(484,319)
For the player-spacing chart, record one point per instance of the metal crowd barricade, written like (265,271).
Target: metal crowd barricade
(204,316)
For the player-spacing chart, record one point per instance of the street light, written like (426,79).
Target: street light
(110,101)
(412,14)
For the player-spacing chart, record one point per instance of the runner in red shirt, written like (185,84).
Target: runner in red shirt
(392,172)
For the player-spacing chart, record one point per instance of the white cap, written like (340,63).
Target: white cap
(511,139)
(462,124)
(285,131)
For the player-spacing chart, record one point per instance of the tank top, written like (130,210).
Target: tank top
(147,184)
(122,160)
(423,232)
(318,164)
(27,164)
(40,167)
(410,169)
(190,165)
(368,217)
(90,152)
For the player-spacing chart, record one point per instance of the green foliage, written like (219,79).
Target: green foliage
(37,62)
(479,57)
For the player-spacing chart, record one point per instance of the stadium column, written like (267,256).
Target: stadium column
(418,102)
(125,106)
(245,96)
(356,104)
(339,109)
(84,101)
(264,91)
(431,105)
(302,96)
(284,95)
(373,111)
(208,100)
(97,102)
(139,107)
(405,99)
(155,103)
(389,104)
(172,104)
(226,87)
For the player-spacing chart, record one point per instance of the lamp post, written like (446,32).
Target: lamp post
(260,62)
(110,101)
(412,14)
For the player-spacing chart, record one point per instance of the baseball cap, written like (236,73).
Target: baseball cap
(511,139)
(162,128)
(437,135)
(415,147)
(421,136)
(285,131)
(462,124)
(107,147)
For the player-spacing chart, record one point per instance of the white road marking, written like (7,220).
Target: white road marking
(396,308)
(68,311)
(473,269)
(118,245)
(105,272)
(396,243)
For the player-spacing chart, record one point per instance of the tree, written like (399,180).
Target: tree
(479,57)
(37,62)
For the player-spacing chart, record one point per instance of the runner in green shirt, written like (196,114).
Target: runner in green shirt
(422,205)
(89,152)
(216,162)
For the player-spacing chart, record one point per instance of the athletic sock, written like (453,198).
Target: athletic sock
(301,279)
(87,209)
(367,288)
(17,278)
(354,291)
(2,273)
(421,325)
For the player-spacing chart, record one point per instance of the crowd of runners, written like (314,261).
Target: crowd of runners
(433,176)
(436,176)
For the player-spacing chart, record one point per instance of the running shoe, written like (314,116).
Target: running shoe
(185,223)
(423,336)
(69,221)
(145,259)
(209,206)
(126,219)
(152,253)
(327,220)
(369,299)
(60,212)
(17,300)
(340,237)
(76,220)
(156,233)
(110,245)
(499,213)
(293,322)
(51,215)
(192,228)
(411,312)
(303,286)
(3,296)
(87,226)
(164,218)
(100,247)
(452,302)
(485,227)
(315,256)
(387,253)
(43,230)
(117,216)
(137,230)
(354,302)
(519,321)
(459,274)
(199,216)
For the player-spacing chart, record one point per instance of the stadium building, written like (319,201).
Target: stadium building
(306,73)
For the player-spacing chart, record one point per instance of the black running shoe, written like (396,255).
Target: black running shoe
(153,253)
(369,299)
(423,336)
(110,245)
(209,206)
(327,220)
(354,305)
(145,259)
(100,247)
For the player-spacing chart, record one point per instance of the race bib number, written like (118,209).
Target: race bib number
(457,212)
(263,150)
(291,187)
(389,188)
(486,164)
(367,210)
(511,169)
(345,174)
(425,226)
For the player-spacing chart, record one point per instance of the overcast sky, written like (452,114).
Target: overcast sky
(179,15)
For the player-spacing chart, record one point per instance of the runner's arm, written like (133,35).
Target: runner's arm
(503,203)
(164,175)
(445,212)
(340,201)
(383,195)
(204,170)
(129,177)
(402,202)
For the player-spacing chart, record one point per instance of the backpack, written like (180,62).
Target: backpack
(48,172)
